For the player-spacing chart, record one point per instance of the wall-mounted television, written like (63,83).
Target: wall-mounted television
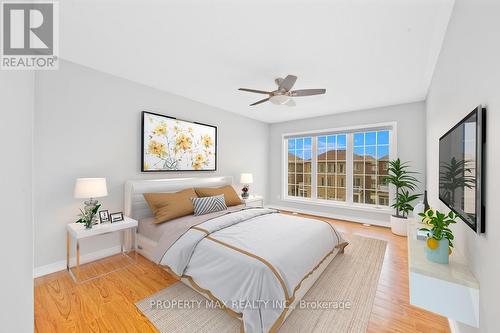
(461,169)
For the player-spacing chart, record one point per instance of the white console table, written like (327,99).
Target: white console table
(449,290)
(77,231)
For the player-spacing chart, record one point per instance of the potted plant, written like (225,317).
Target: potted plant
(87,216)
(439,235)
(403,181)
(244,192)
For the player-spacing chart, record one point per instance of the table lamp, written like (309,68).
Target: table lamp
(90,188)
(246,179)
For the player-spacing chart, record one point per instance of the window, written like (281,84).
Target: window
(340,166)
(370,166)
(331,167)
(299,167)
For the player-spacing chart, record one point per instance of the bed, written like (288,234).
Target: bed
(255,263)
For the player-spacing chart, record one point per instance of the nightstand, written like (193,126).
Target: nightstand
(77,231)
(253,201)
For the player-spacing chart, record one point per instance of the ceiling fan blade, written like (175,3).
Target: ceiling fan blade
(307,92)
(255,91)
(287,82)
(291,102)
(261,101)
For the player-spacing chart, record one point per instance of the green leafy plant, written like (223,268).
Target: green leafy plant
(87,216)
(404,181)
(438,224)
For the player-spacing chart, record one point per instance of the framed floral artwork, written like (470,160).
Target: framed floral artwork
(170,144)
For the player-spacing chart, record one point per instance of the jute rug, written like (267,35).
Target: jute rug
(340,301)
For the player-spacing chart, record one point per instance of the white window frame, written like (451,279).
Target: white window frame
(348,204)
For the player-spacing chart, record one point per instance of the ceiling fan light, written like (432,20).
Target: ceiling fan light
(279,99)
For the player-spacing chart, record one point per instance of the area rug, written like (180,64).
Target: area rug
(340,301)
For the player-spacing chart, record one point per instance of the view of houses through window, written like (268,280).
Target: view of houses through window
(331,169)
(299,167)
(370,166)
(318,167)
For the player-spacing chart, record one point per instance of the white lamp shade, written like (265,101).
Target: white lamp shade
(90,188)
(246,178)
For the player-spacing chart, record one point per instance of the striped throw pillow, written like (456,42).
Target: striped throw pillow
(202,206)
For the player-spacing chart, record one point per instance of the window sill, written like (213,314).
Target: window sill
(325,203)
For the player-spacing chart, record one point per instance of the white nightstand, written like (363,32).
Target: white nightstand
(253,201)
(77,232)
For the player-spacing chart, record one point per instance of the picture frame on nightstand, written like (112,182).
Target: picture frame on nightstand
(116,217)
(104,216)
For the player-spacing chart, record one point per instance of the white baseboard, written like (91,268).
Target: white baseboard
(61,265)
(333,216)
(453,326)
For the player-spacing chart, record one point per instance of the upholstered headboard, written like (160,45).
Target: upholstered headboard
(137,208)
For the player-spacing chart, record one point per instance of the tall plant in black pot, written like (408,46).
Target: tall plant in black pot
(403,181)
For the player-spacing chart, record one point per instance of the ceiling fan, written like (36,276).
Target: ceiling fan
(283,95)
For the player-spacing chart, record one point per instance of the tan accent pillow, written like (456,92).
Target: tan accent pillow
(168,206)
(230,196)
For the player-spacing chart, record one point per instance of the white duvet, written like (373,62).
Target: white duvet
(253,261)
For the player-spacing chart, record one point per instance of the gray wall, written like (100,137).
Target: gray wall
(410,120)
(468,74)
(16,247)
(88,125)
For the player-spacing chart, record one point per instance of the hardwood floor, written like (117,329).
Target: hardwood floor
(107,304)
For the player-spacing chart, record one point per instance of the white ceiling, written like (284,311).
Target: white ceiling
(366,53)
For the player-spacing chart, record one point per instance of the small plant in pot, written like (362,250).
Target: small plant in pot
(404,182)
(244,192)
(439,235)
(87,216)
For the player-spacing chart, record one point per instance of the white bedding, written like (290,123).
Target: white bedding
(253,261)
